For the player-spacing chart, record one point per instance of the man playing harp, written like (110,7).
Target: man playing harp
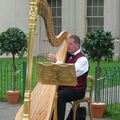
(72,93)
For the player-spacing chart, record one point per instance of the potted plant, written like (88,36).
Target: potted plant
(13,41)
(98,45)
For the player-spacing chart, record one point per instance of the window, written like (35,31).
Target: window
(95,15)
(56,13)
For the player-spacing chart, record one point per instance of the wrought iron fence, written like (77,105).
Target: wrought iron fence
(107,87)
(6,78)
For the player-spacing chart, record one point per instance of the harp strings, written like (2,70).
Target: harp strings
(44,45)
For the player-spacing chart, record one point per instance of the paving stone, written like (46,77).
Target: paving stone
(8,111)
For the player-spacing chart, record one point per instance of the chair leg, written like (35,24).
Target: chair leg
(90,113)
(74,111)
(55,106)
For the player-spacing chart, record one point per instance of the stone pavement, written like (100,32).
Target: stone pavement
(87,117)
(8,111)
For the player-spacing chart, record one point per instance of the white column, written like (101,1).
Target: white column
(112,16)
(80,18)
(73,15)
(6,14)
(68,15)
(117,49)
(21,14)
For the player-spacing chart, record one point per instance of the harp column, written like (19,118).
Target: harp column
(33,12)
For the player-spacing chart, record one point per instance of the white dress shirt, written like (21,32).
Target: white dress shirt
(81,65)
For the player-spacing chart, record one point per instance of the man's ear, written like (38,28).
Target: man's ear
(78,46)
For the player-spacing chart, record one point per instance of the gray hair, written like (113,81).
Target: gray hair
(76,38)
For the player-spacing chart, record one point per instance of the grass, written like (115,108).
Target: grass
(111,111)
(92,63)
(9,60)
(102,64)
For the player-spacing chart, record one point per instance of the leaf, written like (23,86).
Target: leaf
(98,45)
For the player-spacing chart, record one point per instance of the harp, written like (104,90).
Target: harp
(38,104)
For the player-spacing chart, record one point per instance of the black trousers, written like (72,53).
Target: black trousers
(67,95)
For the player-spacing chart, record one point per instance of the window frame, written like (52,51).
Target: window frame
(95,19)
(56,6)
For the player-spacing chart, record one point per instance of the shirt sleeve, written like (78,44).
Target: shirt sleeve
(59,62)
(81,66)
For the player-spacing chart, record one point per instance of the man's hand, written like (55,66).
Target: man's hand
(52,57)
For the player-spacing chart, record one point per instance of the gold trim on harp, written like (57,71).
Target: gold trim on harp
(41,7)
(32,24)
(45,12)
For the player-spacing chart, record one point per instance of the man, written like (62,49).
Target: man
(72,93)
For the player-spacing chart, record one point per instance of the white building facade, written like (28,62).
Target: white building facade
(75,16)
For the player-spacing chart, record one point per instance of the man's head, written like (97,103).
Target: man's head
(73,43)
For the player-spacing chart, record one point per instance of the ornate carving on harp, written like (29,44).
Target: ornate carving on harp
(38,7)
(45,11)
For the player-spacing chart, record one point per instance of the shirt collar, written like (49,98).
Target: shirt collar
(75,53)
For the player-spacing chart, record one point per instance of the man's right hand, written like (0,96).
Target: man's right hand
(52,57)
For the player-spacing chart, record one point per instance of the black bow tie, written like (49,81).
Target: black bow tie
(70,55)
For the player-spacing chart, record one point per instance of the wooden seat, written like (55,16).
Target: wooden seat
(87,98)
(44,95)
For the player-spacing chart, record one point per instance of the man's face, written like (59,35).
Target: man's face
(72,46)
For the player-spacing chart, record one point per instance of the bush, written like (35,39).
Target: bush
(13,41)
